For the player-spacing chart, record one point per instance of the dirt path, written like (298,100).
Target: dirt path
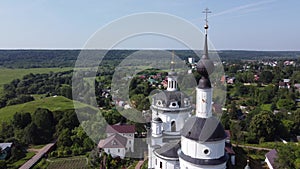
(41,152)
(139,164)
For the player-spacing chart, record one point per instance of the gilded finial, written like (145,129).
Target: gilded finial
(206,11)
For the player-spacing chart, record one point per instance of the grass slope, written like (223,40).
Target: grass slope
(22,161)
(7,75)
(51,103)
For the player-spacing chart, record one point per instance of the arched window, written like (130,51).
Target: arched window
(173,126)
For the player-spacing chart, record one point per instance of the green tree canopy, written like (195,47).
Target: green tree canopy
(264,126)
(43,118)
(21,120)
(266,77)
(288,156)
(286,104)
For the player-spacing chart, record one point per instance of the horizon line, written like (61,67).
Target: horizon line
(178,49)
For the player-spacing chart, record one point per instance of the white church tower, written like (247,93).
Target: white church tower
(203,137)
(170,109)
(178,141)
(171,106)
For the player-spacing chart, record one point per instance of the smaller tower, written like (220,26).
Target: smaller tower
(156,127)
(172,77)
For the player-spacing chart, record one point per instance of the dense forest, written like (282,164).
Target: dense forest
(67,58)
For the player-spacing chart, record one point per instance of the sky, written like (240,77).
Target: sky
(69,24)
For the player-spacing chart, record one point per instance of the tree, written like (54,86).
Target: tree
(225,120)
(17,152)
(241,90)
(31,134)
(235,129)
(137,100)
(288,156)
(233,111)
(67,120)
(264,126)
(64,139)
(21,120)
(43,118)
(286,104)
(7,130)
(266,77)
(296,120)
(95,158)
(3,164)
(66,91)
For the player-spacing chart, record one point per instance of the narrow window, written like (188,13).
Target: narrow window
(173,126)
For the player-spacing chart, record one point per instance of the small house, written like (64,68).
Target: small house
(119,141)
(5,149)
(270,158)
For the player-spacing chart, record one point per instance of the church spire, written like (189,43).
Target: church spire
(172,76)
(205,67)
(205,50)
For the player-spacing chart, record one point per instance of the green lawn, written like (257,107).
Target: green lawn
(7,75)
(266,107)
(36,146)
(17,164)
(51,103)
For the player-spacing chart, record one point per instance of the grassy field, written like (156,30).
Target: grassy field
(266,107)
(72,162)
(7,75)
(51,103)
(17,164)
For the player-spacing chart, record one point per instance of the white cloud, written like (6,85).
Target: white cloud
(250,7)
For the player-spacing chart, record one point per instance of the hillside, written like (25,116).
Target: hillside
(52,103)
(7,75)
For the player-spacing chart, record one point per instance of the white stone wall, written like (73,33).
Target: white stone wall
(130,144)
(186,165)
(197,150)
(150,157)
(156,129)
(204,102)
(159,163)
(167,119)
(114,152)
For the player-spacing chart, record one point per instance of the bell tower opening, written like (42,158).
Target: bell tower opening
(173,126)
